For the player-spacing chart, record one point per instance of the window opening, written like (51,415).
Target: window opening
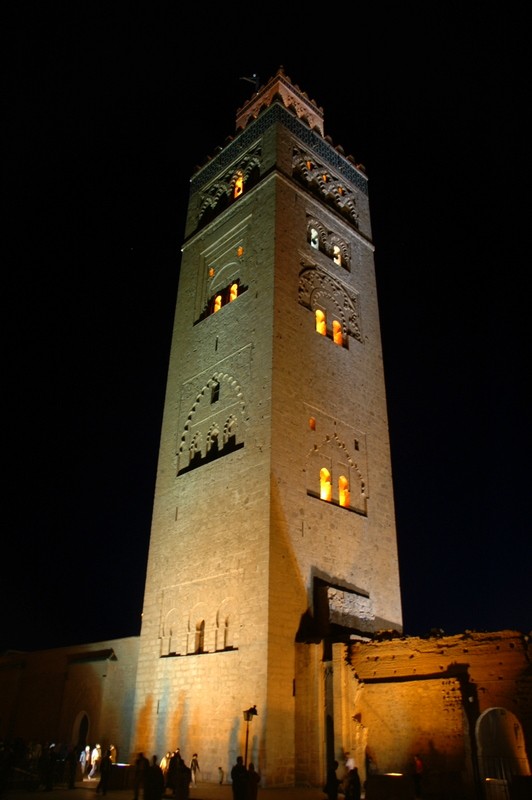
(213,444)
(200,637)
(321,323)
(343,491)
(239,185)
(215,392)
(337,255)
(233,292)
(338,337)
(217,303)
(312,424)
(325,484)
(314,239)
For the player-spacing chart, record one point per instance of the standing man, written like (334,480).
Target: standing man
(141,767)
(239,779)
(105,773)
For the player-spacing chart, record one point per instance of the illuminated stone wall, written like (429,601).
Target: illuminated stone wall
(443,698)
(239,534)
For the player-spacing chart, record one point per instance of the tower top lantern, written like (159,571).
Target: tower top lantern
(281,87)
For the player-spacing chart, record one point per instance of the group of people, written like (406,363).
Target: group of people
(351,785)
(91,761)
(245,781)
(171,775)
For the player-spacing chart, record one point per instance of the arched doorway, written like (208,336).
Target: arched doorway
(501,751)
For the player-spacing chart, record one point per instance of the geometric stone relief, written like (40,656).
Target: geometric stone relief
(221,191)
(216,417)
(318,289)
(322,182)
(347,607)
(333,454)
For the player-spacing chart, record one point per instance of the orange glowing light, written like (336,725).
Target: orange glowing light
(325,485)
(321,323)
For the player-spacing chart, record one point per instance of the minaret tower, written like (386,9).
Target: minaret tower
(273,539)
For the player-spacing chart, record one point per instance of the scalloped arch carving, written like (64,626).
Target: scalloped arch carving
(222,189)
(212,429)
(318,289)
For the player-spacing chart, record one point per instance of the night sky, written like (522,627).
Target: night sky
(110,108)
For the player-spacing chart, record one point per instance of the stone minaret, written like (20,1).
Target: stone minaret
(273,539)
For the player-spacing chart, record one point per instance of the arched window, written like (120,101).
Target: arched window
(239,186)
(200,637)
(325,484)
(195,448)
(343,491)
(213,443)
(338,337)
(321,323)
(226,637)
(314,239)
(233,292)
(217,303)
(312,423)
(337,255)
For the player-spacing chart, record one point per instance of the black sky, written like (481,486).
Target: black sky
(110,108)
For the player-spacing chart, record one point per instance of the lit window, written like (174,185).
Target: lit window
(337,332)
(343,491)
(240,251)
(312,424)
(233,292)
(325,484)
(321,324)
(239,186)
(211,272)
(314,240)
(337,255)
(217,303)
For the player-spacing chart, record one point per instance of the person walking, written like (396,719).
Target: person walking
(85,762)
(194,767)
(96,757)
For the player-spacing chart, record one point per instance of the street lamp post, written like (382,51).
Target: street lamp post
(249,713)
